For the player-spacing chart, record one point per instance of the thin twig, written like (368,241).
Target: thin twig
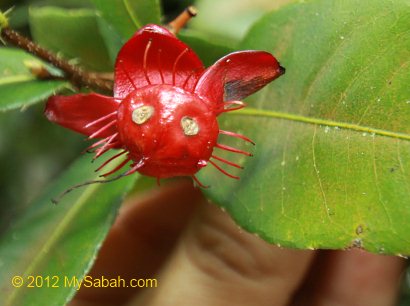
(76,75)
(181,20)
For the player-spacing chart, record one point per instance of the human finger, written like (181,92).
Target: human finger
(352,278)
(216,263)
(141,238)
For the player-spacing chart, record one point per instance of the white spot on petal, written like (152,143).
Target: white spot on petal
(189,126)
(142,114)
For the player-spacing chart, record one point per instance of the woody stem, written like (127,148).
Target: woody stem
(76,75)
(181,20)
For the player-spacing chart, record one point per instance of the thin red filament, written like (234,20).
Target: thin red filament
(96,144)
(188,78)
(122,164)
(176,63)
(199,182)
(231,149)
(160,66)
(107,148)
(226,162)
(223,171)
(236,135)
(128,75)
(104,128)
(144,63)
(137,166)
(110,160)
(100,119)
(102,149)
(195,85)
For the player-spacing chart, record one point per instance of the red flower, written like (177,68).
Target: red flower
(165,104)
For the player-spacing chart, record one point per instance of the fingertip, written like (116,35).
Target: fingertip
(215,261)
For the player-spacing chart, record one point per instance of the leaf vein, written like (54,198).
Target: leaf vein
(317,174)
(317,121)
(76,208)
(383,90)
(131,13)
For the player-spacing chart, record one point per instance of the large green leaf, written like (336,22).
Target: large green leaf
(127,16)
(331,168)
(112,38)
(59,241)
(19,16)
(231,19)
(76,35)
(208,51)
(18,86)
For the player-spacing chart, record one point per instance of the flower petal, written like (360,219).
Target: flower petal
(238,75)
(155,56)
(76,111)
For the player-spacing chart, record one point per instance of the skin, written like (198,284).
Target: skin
(200,257)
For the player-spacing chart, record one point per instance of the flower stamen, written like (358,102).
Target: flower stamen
(226,161)
(176,63)
(94,145)
(223,171)
(195,85)
(122,164)
(107,148)
(127,75)
(187,79)
(102,149)
(199,182)
(137,166)
(160,66)
(236,135)
(104,128)
(231,149)
(100,119)
(109,160)
(144,63)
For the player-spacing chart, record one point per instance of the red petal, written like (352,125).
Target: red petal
(155,56)
(238,75)
(76,111)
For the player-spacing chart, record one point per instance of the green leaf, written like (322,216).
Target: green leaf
(111,37)
(231,19)
(209,52)
(331,168)
(75,34)
(127,16)
(59,241)
(20,14)
(18,87)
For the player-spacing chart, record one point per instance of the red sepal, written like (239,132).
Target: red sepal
(76,111)
(238,75)
(155,56)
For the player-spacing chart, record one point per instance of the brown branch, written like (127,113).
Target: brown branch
(181,20)
(76,75)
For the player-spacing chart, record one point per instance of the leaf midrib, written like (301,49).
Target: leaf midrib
(19,78)
(324,122)
(131,14)
(76,208)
